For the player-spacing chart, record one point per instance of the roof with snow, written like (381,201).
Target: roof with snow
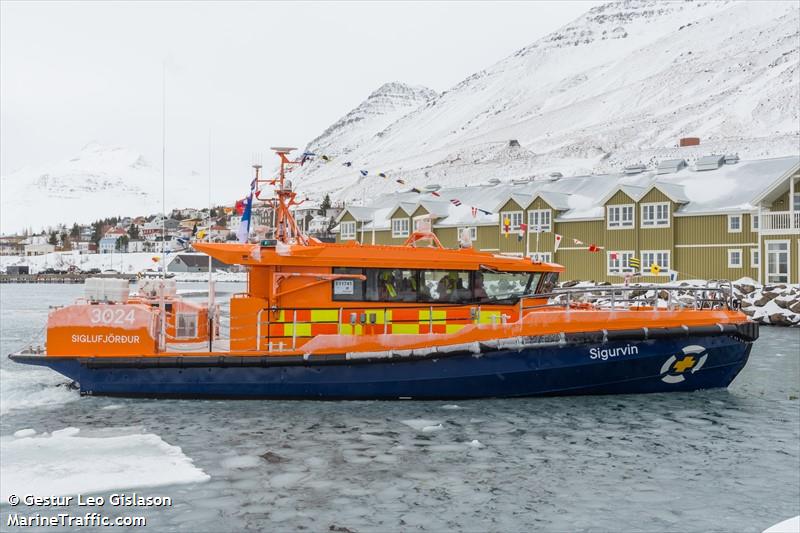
(728,188)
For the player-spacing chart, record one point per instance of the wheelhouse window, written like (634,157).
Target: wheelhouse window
(400,227)
(443,286)
(620,216)
(391,285)
(539,218)
(654,215)
(186,325)
(347,231)
(504,286)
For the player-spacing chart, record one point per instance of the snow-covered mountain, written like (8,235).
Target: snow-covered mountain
(99,181)
(383,107)
(619,85)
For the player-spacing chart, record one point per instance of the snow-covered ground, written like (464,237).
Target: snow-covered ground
(129,263)
(66,463)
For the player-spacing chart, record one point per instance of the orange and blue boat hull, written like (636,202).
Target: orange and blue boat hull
(588,363)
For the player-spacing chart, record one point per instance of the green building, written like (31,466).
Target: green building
(718,218)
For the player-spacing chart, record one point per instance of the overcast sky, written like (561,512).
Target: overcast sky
(255,74)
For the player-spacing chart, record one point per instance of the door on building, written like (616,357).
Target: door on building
(777,261)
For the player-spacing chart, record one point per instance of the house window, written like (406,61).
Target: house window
(734,223)
(735,258)
(347,231)
(618,262)
(514,218)
(655,257)
(655,214)
(399,227)
(777,253)
(540,218)
(473,233)
(542,257)
(754,259)
(796,201)
(620,216)
(753,222)
(185,325)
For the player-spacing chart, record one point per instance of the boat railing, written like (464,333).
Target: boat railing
(715,294)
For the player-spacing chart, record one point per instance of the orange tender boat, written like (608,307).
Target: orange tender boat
(350,321)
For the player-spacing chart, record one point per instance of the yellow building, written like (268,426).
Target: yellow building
(719,218)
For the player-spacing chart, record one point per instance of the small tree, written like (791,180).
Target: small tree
(326,202)
(122,243)
(75,232)
(133,232)
(53,238)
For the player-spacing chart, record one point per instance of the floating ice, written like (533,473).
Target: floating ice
(429,429)
(790,525)
(242,461)
(33,388)
(22,433)
(420,423)
(451,406)
(89,464)
(476,444)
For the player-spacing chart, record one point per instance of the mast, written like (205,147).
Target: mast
(285,227)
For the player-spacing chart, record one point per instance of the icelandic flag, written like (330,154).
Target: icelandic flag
(244,226)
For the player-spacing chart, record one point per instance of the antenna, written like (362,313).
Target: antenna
(285,227)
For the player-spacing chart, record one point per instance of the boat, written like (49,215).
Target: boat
(334,321)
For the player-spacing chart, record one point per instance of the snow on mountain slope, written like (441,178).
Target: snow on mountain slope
(619,85)
(386,105)
(98,182)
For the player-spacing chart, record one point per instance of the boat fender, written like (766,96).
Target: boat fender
(705,330)
(632,334)
(729,328)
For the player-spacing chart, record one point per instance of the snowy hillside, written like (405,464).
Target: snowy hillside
(383,107)
(99,181)
(619,85)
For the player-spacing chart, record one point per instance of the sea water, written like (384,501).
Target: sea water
(722,460)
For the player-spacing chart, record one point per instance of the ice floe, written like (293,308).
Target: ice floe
(63,463)
(420,424)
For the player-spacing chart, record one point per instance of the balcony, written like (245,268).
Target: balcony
(780,222)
